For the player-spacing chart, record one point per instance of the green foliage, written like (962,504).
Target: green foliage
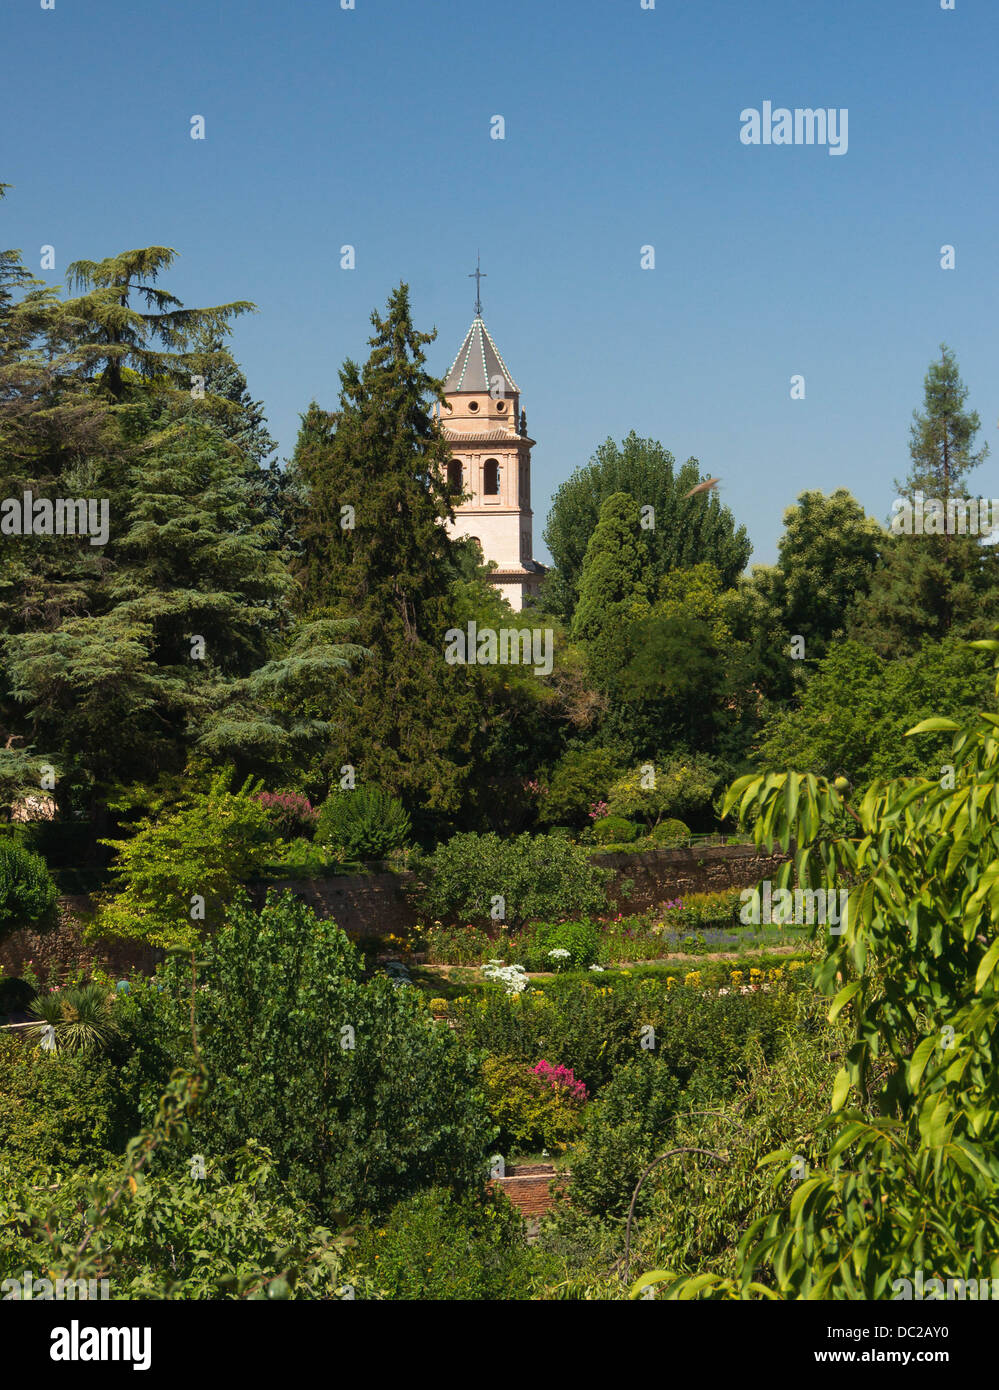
(56,1110)
(856,708)
(363,823)
(169,1233)
(596,1028)
(27,892)
(941,440)
(579,780)
(436,1246)
(669,832)
(203,849)
(81,1016)
(826,557)
(681,786)
(379,1100)
(613,586)
(688,530)
(625,1128)
(531,1114)
(908,1173)
(580,939)
(539,876)
(614,830)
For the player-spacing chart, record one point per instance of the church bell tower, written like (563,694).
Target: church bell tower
(490,470)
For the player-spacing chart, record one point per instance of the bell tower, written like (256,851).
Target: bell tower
(490,469)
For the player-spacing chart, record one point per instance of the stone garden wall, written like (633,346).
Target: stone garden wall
(375,904)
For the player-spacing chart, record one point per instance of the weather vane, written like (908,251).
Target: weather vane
(478,276)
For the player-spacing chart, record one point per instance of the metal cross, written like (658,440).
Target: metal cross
(478,275)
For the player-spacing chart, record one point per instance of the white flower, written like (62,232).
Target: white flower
(559,953)
(721,992)
(511,977)
(597,967)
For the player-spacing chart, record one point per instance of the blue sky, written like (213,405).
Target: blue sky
(372,127)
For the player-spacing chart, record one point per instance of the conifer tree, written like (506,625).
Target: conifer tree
(374,503)
(942,436)
(615,575)
(934,585)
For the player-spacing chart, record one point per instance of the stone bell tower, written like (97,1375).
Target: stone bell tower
(490,470)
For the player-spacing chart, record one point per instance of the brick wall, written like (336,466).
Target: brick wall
(528,1187)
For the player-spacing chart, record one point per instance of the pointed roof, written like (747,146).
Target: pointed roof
(478,363)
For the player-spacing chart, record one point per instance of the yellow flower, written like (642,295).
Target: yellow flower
(736,977)
(670,981)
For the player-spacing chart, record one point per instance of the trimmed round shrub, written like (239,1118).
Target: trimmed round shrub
(27,892)
(363,823)
(669,832)
(614,830)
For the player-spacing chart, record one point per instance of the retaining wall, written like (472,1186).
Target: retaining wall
(375,904)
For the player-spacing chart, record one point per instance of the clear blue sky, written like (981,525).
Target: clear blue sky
(371,127)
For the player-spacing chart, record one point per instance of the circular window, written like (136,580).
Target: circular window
(501,405)
(473,406)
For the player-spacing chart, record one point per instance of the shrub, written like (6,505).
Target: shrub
(457,945)
(363,823)
(576,782)
(531,1112)
(683,785)
(292,813)
(581,940)
(435,1246)
(81,1017)
(614,830)
(301,857)
(625,1130)
(359,1096)
(540,876)
(669,832)
(199,853)
(56,1110)
(27,892)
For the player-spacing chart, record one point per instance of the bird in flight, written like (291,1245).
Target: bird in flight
(706,486)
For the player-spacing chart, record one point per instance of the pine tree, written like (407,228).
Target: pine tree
(942,436)
(112,338)
(934,586)
(376,492)
(374,503)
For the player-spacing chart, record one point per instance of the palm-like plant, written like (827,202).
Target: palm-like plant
(80,1015)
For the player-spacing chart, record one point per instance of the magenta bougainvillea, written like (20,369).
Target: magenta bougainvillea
(561,1079)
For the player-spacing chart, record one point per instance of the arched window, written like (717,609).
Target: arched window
(490,478)
(454,478)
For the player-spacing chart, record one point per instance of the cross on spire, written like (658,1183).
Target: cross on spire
(478,275)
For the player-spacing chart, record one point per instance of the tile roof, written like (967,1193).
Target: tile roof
(478,364)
